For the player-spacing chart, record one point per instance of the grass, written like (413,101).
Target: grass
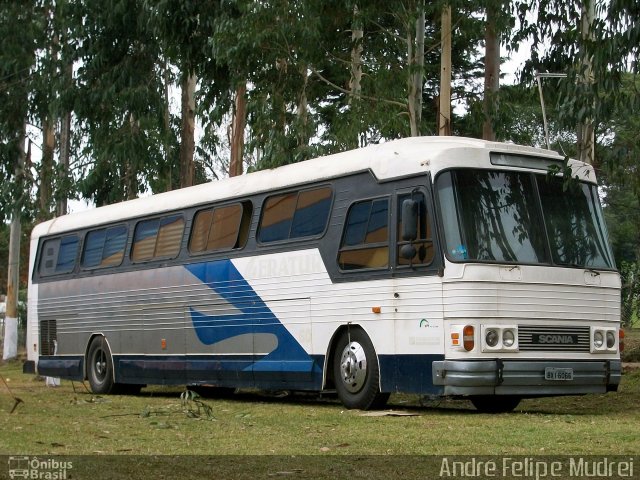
(631,351)
(299,435)
(67,422)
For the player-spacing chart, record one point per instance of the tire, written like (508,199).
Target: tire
(356,372)
(495,403)
(100,367)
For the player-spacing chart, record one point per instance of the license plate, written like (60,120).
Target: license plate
(559,374)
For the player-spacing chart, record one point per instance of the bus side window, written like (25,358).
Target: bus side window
(157,238)
(48,257)
(104,247)
(424,241)
(365,240)
(58,255)
(295,215)
(221,228)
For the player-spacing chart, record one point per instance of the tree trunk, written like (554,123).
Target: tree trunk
(167,132)
(63,187)
(356,56)
(187,133)
(491,73)
(131,167)
(65,149)
(444,117)
(13,278)
(416,65)
(302,112)
(237,131)
(355,80)
(46,169)
(586,132)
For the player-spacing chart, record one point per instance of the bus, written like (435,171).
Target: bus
(434,266)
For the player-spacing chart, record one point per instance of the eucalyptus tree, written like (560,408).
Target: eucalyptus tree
(183,29)
(119,101)
(18,43)
(593,42)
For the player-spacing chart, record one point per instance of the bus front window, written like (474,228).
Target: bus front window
(504,216)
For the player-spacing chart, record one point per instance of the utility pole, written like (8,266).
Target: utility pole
(539,77)
(444,116)
(10,350)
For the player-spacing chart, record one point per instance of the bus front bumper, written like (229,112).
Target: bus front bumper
(525,378)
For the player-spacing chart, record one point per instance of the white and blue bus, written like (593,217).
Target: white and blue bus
(435,266)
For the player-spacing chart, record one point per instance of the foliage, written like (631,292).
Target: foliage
(194,406)
(296,59)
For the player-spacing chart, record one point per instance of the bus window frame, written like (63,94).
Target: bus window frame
(179,213)
(298,191)
(243,204)
(390,256)
(124,250)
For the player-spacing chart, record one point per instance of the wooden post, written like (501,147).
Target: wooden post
(444,118)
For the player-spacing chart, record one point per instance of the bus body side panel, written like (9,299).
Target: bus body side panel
(407,334)
(257,321)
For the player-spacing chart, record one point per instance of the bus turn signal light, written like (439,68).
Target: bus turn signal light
(468,338)
(621,340)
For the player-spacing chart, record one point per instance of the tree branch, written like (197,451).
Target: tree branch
(363,97)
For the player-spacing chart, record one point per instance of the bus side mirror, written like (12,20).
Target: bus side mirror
(409,220)
(409,228)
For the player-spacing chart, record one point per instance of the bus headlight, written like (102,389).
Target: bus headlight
(491,337)
(603,340)
(499,338)
(598,339)
(508,338)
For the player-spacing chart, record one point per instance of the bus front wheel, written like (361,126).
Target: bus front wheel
(356,371)
(100,367)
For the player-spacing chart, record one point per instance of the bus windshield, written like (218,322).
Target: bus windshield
(518,217)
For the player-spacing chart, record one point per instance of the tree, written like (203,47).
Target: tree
(18,35)
(119,100)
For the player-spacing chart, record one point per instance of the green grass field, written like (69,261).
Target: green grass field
(74,422)
(259,435)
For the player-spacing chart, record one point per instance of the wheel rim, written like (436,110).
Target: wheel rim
(353,367)
(100,365)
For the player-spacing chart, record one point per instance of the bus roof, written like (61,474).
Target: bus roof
(388,160)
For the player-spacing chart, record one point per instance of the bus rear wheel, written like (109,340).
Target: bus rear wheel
(495,403)
(100,367)
(356,372)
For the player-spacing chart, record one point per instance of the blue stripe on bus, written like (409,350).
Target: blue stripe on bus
(221,370)
(65,367)
(408,373)
(254,317)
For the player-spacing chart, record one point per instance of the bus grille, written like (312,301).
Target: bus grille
(550,338)
(48,333)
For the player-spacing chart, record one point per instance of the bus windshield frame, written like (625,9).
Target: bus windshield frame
(523,218)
